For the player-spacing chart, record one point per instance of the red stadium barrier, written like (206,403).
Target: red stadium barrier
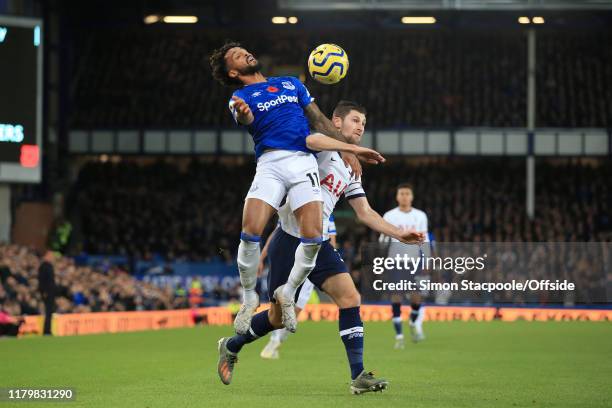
(32,325)
(446,313)
(115,322)
(544,315)
(383,313)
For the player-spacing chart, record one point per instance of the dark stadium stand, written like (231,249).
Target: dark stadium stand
(161,77)
(191,213)
(574,79)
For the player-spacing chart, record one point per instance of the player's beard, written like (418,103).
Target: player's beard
(250,69)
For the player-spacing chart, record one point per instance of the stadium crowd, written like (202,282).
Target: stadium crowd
(159,208)
(80,289)
(474,200)
(574,77)
(160,77)
(185,210)
(192,213)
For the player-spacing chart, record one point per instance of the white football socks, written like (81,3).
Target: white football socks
(248,261)
(418,322)
(305,261)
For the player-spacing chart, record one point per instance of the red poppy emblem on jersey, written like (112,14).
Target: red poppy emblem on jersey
(272,89)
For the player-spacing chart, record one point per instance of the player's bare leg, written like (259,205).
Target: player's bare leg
(342,290)
(310,219)
(277,337)
(255,216)
(275,314)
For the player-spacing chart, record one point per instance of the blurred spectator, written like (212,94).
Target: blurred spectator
(196,293)
(46,285)
(9,319)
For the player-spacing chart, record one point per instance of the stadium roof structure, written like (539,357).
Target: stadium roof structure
(314,5)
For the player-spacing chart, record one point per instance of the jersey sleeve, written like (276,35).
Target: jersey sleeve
(354,190)
(303,95)
(331,226)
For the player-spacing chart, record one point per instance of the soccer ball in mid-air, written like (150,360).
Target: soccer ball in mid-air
(328,64)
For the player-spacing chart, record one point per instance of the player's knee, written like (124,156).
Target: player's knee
(310,219)
(312,231)
(252,228)
(317,229)
(349,299)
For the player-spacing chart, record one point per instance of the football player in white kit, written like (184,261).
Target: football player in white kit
(330,274)
(406,217)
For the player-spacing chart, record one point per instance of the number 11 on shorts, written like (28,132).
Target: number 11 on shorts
(314,178)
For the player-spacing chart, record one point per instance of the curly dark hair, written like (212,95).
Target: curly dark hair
(219,66)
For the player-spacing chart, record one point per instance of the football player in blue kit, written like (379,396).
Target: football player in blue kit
(330,274)
(278,113)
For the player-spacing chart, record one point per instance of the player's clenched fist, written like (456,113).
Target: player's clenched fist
(243,112)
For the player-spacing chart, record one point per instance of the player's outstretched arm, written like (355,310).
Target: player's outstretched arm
(373,220)
(320,142)
(320,122)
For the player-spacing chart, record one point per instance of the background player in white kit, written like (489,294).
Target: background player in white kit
(406,217)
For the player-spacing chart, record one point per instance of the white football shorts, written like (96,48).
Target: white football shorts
(283,173)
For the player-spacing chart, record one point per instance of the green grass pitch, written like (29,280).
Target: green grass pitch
(495,364)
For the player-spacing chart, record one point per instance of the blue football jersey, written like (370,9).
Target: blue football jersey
(278,107)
